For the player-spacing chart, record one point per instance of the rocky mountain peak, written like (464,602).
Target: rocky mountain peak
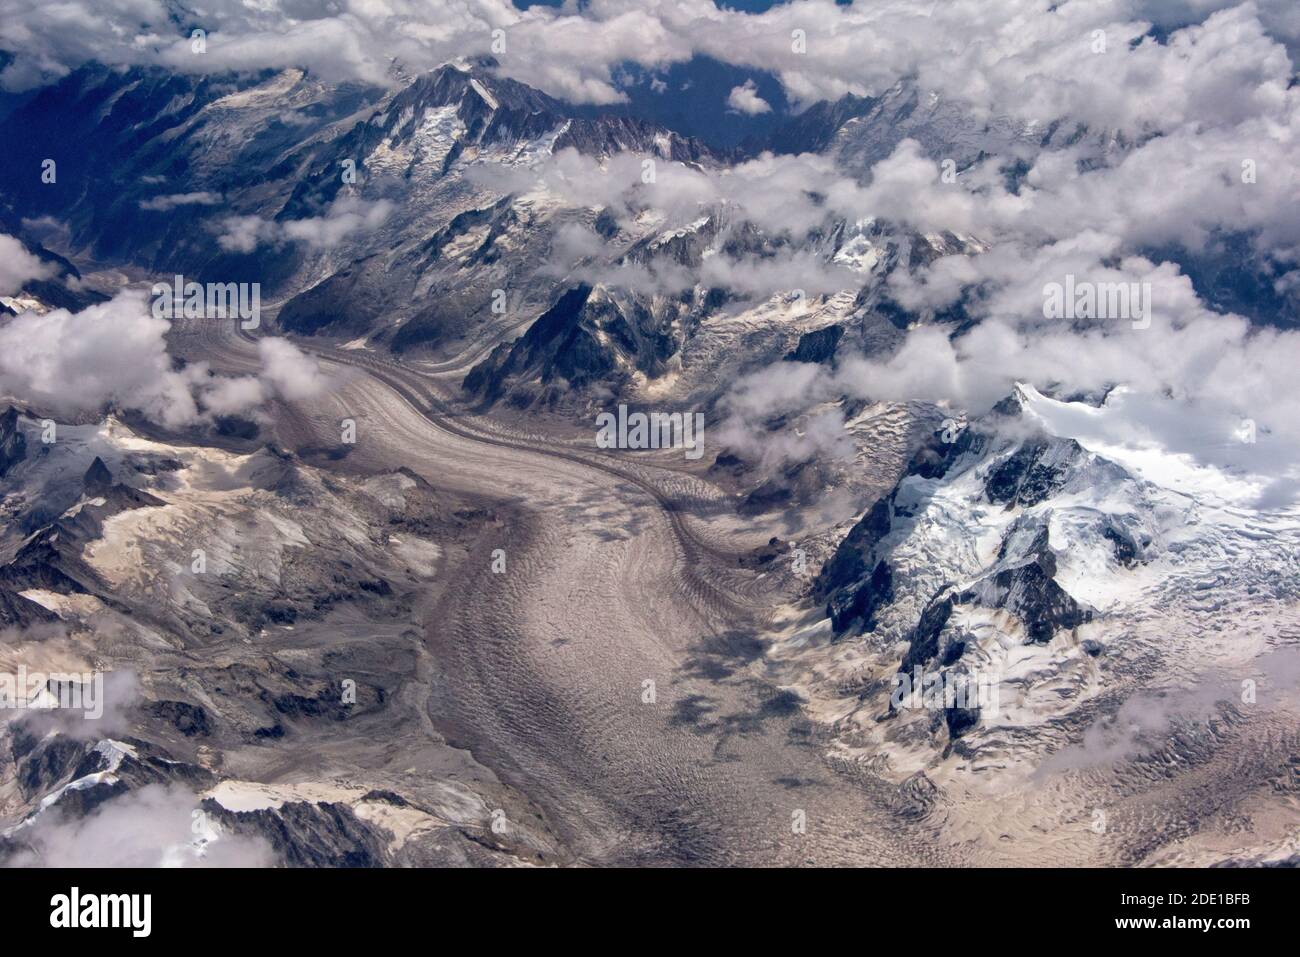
(98,479)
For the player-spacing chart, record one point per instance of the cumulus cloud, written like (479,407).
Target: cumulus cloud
(781,195)
(162,204)
(346,216)
(291,374)
(18,267)
(783,198)
(113,700)
(1201,154)
(115,354)
(785,387)
(977,52)
(745,99)
(99,709)
(1207,164)
(243,234)
(1220,167)
(576,255)
(153,826)
(1190,379)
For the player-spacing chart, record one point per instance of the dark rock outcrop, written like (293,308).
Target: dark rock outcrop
(45,763)
(818,346)
(1036,470)
(13,444)
(303,834)
(98,479)
(588,335)
(850,561)
(117,497)
(925,636)
(190,720)
(17,611)
(849,605)
(1031,593)
(960,720)
(346,303)
(815,128)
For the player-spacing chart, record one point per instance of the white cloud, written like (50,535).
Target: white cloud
(243,234)
(18,267)
(346,216)
(1190,379)
(1029,57)
(115,353)
(163,204)
(745,99)
(110,352)
(149,827)
(292,374)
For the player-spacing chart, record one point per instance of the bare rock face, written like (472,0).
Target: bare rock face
(98,479)
(17,611)
(818,346)
(13,444)
(305,834)
(297,631)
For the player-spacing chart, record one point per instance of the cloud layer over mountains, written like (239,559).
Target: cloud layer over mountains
(1031,56)
(1188,117)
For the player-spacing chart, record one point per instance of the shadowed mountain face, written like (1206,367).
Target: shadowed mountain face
(261,142)
(363,211)
(13,444)
(585,337)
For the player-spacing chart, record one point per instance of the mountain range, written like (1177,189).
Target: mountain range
(480,268)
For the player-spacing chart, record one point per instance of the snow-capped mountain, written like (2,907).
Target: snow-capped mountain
(409,218)
(1057,573)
